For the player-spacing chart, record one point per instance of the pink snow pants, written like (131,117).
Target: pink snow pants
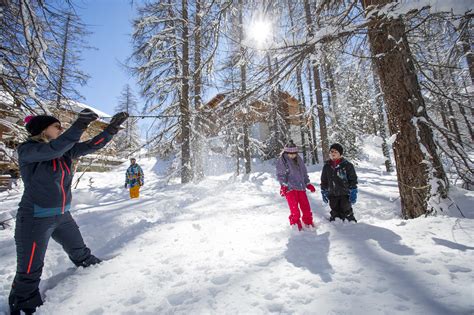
(297,200)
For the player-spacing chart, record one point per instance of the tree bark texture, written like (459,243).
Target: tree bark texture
(414,149)
(186,172)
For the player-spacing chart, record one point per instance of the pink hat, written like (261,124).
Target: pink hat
(290,147)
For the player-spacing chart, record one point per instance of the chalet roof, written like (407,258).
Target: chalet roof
(77,107)
(218,99)
(221,98)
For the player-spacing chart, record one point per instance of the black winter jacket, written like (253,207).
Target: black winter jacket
(46,170)
(338,181)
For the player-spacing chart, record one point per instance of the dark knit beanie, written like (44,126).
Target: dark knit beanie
(36,124)
(337,147)
(291,147)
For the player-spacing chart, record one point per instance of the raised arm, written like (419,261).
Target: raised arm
(99,141)
(89,146)
(30,152)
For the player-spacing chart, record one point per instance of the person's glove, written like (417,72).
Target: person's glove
(353,195)
(141,183)
(325,195)
(311,188)
(283,190)
(115,123)
(86,116)
(125,186)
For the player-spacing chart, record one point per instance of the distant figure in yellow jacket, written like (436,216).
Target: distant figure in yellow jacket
(134,178)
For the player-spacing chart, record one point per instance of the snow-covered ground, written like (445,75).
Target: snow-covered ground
(223,246)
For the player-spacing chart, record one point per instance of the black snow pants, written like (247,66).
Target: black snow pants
(340,207)
(31,238)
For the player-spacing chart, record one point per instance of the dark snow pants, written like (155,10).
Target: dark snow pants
(31,238)
(340,207)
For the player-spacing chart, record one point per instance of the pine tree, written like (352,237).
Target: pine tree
(420,173)
(128,140)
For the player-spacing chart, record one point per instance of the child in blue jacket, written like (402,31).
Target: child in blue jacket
(134,178)
(45,161)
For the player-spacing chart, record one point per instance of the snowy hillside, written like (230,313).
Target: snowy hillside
(224,246)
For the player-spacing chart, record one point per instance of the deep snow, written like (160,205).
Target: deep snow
(223,246)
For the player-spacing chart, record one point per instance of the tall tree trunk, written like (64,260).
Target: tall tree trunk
(299,86)
(381,120)
(63,63)
(302,107)
(243,88)
(421,176)
(186,172)
(452,119)
(312,119)
(275,122)
(318,89)
(463,112)
(197,139)
(331,85)
(127,122)
(466,46)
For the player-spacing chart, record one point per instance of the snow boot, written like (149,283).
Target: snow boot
(26,311)
(89,261)
(351,218)
(27,306)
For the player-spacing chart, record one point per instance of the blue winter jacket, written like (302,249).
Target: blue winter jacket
(134,176)
(46,170)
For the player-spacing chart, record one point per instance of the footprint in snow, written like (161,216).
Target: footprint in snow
(402,308)
(219,280)
(179,298)
(269,296)
(346,291)
(97,311)
(133,300)
(423,260)
(380,290)
(178,270)
(432,272)
(454,268)
(275,308)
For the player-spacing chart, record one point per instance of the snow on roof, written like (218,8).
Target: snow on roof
(78,107)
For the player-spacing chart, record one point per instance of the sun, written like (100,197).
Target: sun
(259,31)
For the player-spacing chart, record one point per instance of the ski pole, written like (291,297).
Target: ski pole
(145,116)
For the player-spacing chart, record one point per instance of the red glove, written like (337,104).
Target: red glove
(283,190)
(311,188)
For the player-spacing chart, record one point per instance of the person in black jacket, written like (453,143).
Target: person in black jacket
(45,161)
(339,184)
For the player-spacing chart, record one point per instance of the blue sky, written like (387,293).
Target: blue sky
(110,24)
